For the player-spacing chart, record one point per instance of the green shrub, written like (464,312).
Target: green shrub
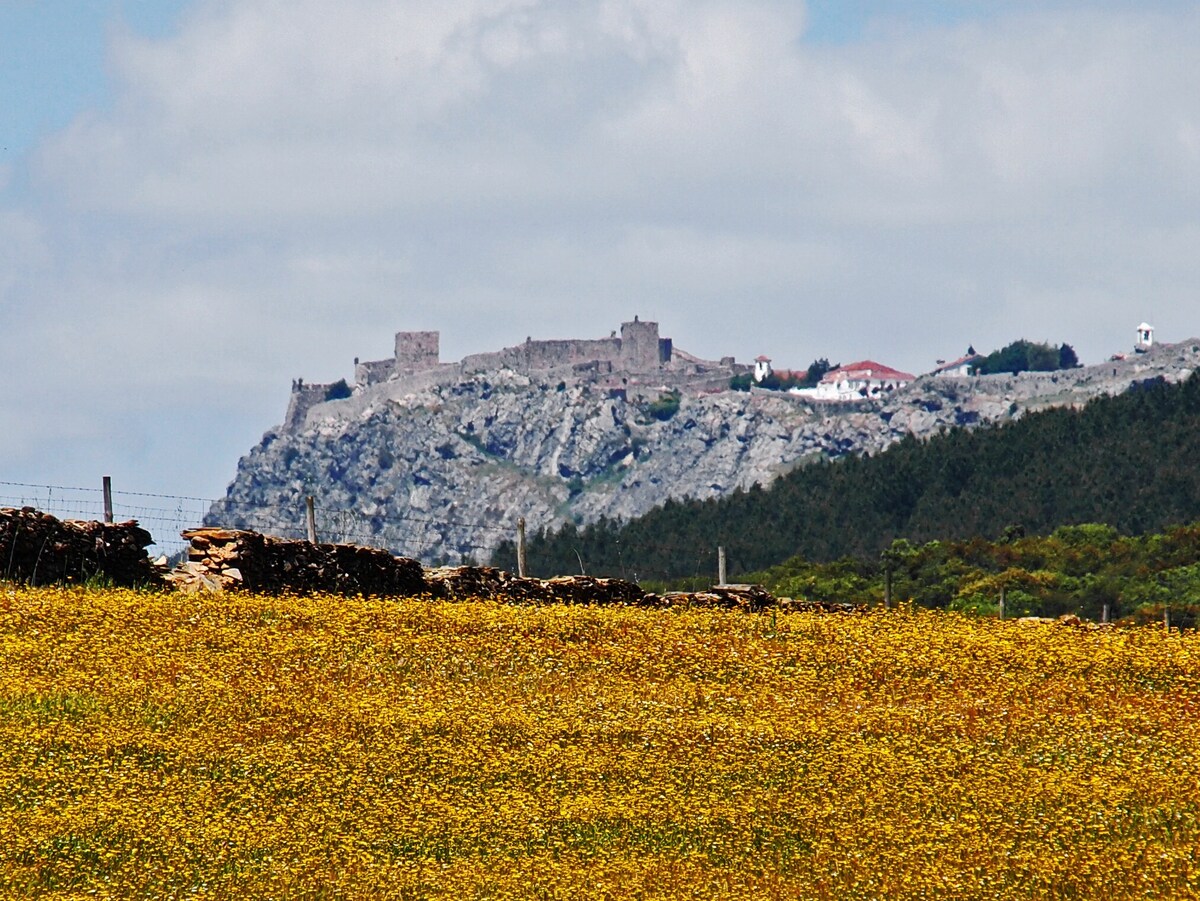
(339,390)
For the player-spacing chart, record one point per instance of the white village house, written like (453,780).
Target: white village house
(858,381)
(963,366)
(1145,338)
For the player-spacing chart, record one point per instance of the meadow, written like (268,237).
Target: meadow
(160,746)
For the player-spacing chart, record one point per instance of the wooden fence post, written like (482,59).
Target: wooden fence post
(1002,602)
(108,513)
(311,514)
(721,565)
(521,547)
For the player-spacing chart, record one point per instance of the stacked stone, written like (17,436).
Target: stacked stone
(221,559)
(37,548)
(224,559)
(460,582)
(590,590)
(750,598)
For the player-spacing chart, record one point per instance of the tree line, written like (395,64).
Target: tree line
(1126,462)
(1090,570)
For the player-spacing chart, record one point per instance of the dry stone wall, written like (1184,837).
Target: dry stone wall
(231,560)
(222,559)
(39,549)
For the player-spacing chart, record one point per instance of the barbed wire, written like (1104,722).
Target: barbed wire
(393,531)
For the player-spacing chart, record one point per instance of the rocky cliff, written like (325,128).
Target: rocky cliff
(442,471)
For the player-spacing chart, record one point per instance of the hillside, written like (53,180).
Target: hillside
(1128,461)
(439,460)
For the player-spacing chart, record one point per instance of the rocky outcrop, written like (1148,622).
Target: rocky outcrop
(442,471)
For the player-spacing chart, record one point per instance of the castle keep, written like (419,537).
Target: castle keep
(637,356)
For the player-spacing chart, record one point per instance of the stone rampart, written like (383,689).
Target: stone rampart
(545,356)
(639,355)
(373,372)
(303,398)
(1174,361)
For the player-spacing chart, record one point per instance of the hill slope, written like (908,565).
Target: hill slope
(442,471)
(1129,461)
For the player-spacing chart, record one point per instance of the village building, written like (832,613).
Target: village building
(1145,338)
(858,381)
(960,368)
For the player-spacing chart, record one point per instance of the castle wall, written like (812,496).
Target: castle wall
(539,356)
(640,357)
(373,372)
(486,362)
(302,399)
(553,354)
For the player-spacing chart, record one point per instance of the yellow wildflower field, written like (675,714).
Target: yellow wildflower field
(161,746)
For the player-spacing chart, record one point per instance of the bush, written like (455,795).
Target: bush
(339,390)
(665,407)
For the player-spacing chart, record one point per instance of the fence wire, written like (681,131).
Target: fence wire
(430,538)
(164,516)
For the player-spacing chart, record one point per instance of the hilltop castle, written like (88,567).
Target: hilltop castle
(638,358)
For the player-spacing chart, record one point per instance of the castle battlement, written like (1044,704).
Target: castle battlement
(637,357)
(638,350)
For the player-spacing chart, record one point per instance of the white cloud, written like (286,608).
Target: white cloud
(278,186)
(22,253)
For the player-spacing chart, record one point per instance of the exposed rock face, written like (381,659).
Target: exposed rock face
(442,472)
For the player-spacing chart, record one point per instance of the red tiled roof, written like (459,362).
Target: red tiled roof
(867,369)
(954,364)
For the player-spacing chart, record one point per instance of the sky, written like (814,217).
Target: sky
(201,200)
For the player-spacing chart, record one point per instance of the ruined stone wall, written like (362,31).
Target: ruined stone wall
(303,398)
(372,372)
(638,350)
(541,356)
(416,351)
(490,361)
(229,559)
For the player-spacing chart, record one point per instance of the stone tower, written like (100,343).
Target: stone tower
(641,350)
(417,351)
